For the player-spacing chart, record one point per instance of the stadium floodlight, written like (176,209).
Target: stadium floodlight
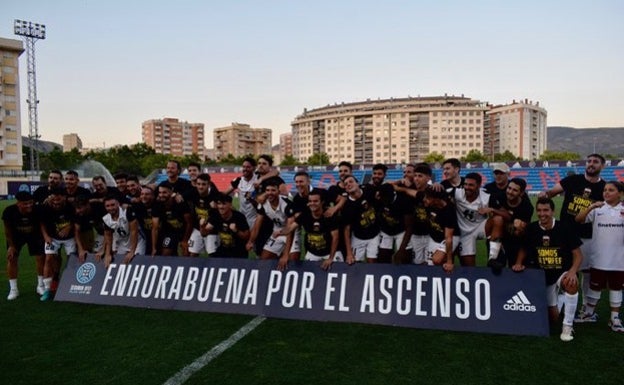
(31,32)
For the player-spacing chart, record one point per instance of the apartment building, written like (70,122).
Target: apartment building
(71,141)
(285,146)
(171,136)
(10,123)
(518,127)
(239,139)
(390,130)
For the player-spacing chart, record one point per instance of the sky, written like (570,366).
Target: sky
(106,66)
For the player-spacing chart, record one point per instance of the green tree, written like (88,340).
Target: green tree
(433,157)
(506,156)
(559,155)
(474,156)
(289,160)
(318,159)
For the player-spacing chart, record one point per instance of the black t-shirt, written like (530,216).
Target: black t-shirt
(55,221)
(200,205)
(231,246)
(23,226)
(552,249)
(441,219)
(317,235)
(498,193)
(578,195)
(524,212)
(392,216)
(180,186)
(172,221)
(41,193)
(79,192)
(361,214)
(92,220)
(421,219)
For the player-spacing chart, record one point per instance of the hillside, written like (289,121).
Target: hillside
(585,141)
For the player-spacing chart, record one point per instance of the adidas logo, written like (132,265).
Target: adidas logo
(519,302)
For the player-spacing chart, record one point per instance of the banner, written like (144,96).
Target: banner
(469,299)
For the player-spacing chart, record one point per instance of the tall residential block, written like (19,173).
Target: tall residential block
(285,146)
(239,139)
(390,130)
(71,141)
(172,137)
(519,127)
(10,124)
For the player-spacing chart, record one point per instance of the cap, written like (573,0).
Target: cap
(502,167)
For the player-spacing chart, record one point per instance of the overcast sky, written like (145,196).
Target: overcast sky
(107,66)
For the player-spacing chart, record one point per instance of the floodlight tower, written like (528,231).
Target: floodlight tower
(31,32)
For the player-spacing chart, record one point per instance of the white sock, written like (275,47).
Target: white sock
(615,298)
(585,285)
(494,249)
(47,282)
(559,302)
(40,280)
(570,301)
(13,284)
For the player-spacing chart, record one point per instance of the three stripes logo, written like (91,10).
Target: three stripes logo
(519,302)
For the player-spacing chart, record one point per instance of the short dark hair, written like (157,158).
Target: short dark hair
(251,161)
(72,172)
(110,197)
(56,171)
(352,176)
(430,192)
(474,176)
(133,178)
(195,164)
(99,177)
(204,176)
(223,198)
(453,162)
(345,163)
(320,192)
(23,196)
(423,168)
(268,158)
(545,201)
(58,191)
(380,166)
(602,159)
(520,182)
(301,173)
(176,163)
(121,175)
(618,185)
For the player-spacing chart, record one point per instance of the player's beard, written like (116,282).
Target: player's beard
(590,171)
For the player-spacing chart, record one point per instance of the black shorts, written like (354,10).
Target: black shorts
(170,241)
(35,245)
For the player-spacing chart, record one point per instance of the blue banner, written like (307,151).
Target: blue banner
(469,299)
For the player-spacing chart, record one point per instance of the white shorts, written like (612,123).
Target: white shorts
(313,257)
(434,246)
(54,248)
(392,242)
(124,247)
(364,248)
(197,243)
(468,241)
(552,292)
(275,245)
(419,245)
(587,249)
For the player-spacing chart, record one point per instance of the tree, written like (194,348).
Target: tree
(559,155)
(289,160)
(474,156)
(318,159)
(433,157)
(506,156)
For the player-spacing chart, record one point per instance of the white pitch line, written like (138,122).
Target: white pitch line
(184,374)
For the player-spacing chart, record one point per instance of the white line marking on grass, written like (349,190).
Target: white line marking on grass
(184,374)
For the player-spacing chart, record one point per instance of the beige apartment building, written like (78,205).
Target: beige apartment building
(519,127)
(10,124)
(390,130)
(285,145)
(71,141)
(172,137)
(239,139)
